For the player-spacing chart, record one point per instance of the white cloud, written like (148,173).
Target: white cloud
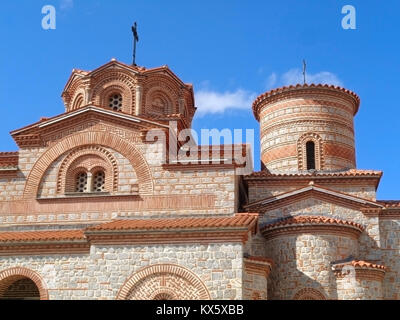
(295,76)
(208,101)
(66,4)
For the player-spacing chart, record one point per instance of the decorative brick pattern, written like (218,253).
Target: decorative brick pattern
(291,116)
(10,276)
(108,160)
(178,282)
(108,140)
(308,294)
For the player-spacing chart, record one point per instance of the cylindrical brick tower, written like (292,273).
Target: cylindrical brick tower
(307,127)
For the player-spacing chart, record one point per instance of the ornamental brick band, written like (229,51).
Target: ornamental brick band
(309,294)
(300,89)
(163,279)
(312,225)
(363,270)
(317,116)
(104,139)
(9,276)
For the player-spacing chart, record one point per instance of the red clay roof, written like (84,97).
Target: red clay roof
(31,236)
(238,221)
(347,173)
(8,159)
(390,203)
(361,264)
(292,88)
(312,220)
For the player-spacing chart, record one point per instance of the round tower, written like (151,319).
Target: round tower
(307,127)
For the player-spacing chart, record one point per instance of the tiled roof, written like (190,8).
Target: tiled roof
(237,221)
(316,190)
(8,159)
(292,88)
(390,203)
(347,173)
(301,220)
(360,264)
(33,236)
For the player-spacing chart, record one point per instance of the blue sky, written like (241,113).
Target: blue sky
(230,50)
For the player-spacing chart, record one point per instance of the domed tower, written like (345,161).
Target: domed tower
(307,127)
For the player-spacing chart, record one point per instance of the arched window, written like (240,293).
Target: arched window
(99,181)
(81,184)
(310,152)
(22,289)
(115,102)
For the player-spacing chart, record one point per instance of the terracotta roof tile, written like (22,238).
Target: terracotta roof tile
(360,264)
(33,236)
(238,221)
(390,203)
(311,220)
(9,159)
(347,173)
(292,88)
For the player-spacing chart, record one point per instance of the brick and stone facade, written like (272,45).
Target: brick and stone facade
(93,204)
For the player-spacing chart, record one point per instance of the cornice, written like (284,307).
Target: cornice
(313,225)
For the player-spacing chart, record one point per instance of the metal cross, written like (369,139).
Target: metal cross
(135,40)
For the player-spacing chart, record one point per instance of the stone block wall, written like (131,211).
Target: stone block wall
(102,273)
(303,261)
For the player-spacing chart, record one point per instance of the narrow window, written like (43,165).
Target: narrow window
(81,182)
(310,151)
(115,102)
(99,181)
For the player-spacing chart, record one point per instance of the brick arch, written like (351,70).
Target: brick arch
(195,287)
(116,87)
(79,100)
(104,139)
(302,154)
(118,80)
(309,294)
(9,276)
(88,164)
(168,99)
(161,84)
(88,150)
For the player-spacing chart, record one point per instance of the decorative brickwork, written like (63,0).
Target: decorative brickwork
(179,283)
(291,116)
(82,139)
(97,157)
(10,276)
(309,294)
(302,154)
(90,210)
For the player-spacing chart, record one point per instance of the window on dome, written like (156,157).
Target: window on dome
(115,102)
(310,151)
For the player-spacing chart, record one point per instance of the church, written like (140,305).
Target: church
(95,205)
